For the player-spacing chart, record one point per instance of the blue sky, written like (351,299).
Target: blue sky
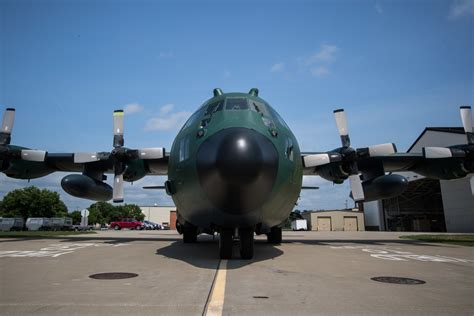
(395,66)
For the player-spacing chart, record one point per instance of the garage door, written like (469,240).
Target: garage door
(350,223)
(324,223)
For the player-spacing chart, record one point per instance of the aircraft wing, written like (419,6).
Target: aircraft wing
(366,168)
(126,164)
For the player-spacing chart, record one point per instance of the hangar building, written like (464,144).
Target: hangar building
(163,215)
(427,205)
(340,220)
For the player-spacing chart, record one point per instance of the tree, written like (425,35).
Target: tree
(76,217)
(103,212)
(133,210)
(32,202)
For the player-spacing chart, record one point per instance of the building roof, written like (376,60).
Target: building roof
(451,130)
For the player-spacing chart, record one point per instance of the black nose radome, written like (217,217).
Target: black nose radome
(237,168)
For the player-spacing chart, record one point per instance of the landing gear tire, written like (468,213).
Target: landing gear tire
(274,236)
(246,243)
(225,244)
(189,234)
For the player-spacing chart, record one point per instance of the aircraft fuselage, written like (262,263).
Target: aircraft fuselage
(235,164)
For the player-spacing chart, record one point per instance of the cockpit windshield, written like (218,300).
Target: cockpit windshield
(236,104)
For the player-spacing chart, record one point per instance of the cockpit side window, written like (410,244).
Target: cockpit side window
(236,104)
(259,107)
(194,119)
(214,107)
(184,149)
(278,117)
(289,149)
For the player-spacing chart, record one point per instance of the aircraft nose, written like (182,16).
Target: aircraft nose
(237,168)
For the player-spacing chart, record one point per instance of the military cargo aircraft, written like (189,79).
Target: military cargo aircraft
(236,168)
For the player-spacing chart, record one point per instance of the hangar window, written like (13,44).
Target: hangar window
(184,149)
(236,104)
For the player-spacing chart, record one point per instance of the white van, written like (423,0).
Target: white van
(37,223)
(8,224)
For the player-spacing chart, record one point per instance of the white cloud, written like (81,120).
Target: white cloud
(278,67)
(378,8)
(167,119)
(461,8)
(327,53)
(320,71)
(132,108)
(167,108)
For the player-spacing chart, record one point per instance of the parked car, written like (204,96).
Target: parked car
(37,223)
(80,227)
(8,224)
(61,223)
(148,225)
(130,223)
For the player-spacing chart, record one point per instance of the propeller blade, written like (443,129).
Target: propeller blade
(118,128)
(83,157)
(315,160)
(7,126)
(151,153)
(356,188)
(341,122)
(466,117)
(33,155)
(377,150)
(436,152)
(118,188)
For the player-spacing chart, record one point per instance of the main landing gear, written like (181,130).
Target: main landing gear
(245,243)
(274,236)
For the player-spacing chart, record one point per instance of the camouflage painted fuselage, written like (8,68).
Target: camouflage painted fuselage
(199,173)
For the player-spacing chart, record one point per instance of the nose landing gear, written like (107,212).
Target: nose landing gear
(245,236)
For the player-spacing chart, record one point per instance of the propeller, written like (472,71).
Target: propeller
(466,117)
(7,126)
(6,152)
(120,155)
(349,156)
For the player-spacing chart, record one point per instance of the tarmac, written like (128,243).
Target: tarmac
(310,273)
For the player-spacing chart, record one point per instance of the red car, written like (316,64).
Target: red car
(130,223)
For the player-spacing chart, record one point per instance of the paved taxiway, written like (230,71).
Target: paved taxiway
(310,273)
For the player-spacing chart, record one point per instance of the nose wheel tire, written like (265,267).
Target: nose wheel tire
(274,236)
(189,234)
(246,243)
(225,244)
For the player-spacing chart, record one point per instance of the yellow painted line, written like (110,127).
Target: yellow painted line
(215,305)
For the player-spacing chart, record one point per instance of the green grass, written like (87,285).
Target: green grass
(463,240)
(36,234)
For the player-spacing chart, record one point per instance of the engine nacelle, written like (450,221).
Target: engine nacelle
(384,187)
(445,169)
(332,172)
(82,186)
